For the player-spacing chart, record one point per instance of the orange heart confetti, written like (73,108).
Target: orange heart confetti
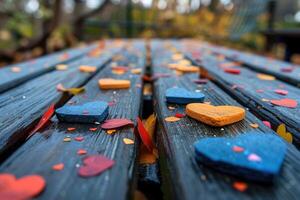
(240,186)
(281,131)
(88,69)
(172,119)
(58,167)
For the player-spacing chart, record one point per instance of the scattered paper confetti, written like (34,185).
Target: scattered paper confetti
(254,125)
(94,165)
(73,91)
(61,67)
(179,115)
(240,186)
(144,135)
(86,68)
(116,123)
(58,167)
(281,131)
(128,141)
(26,187)
(79,138)
(281,92)
(266,77)
(289,103)
(237,149)
(71,129)
(254,158)
(232,71)
(67,139)
(43,121)
(81,152)
(266,123)
(93,129)
(172,119)
(111,131)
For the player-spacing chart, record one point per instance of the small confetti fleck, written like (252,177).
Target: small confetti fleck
(67,139)
(79,138)
(71,129)
(111,131)
(171,107)
(240,186)
(172,119)
(179,115)
(93,129)
(128,141)
(81,152)
(15,69)
(237,149)
(58,167)
(254,125)
(254,157)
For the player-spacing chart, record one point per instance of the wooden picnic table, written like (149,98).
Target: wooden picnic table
(29,88)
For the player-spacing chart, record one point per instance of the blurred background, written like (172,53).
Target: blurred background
(31,28)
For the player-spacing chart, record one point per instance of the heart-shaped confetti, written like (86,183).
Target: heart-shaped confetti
(183,96)
(109,83)
(232,71)
(91,112)
(281,92)
(289,103)
(116,123)
(260,160)
(281,131)
(25,187)
(94,165)
(215,115)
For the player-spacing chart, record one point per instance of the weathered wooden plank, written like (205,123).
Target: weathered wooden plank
(185,178)
(22,106)
(255,93)
(47,148)
(39,66)
(261,64)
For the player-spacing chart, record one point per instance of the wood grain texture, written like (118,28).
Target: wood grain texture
(261,64)
(22,106)
(47,148)
(183,177)
(244,88)
(36,67)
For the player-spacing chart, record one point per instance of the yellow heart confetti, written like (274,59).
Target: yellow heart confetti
(73,91)
(266,77)
(128,141)
(281,131)
(112,131)
(172,119)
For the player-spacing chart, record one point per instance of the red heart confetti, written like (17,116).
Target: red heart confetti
(232,71)
(240,186)
(116,123)
(23,188)
(237,149)
(179,115)
(93,129)
(79,138)
(289,103)
(93,165)
(43,121)
(281,92)
(144,135)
